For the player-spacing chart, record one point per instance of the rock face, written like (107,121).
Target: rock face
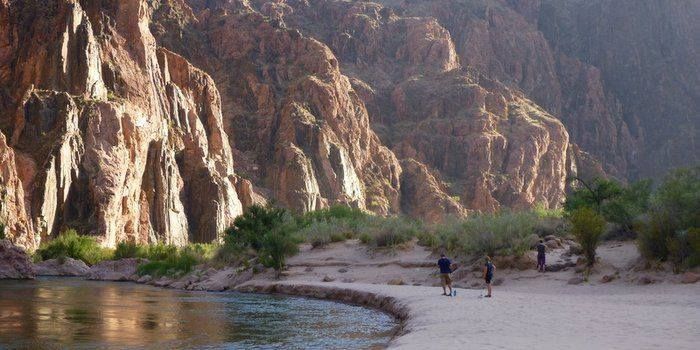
(14,262)
(65,267)
(162,120)
(109,132)
(115,270)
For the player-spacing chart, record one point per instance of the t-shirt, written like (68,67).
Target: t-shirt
(540,249)
(445,264)
(489,269)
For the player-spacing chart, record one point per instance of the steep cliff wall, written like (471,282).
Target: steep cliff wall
(110,134)
(161,120)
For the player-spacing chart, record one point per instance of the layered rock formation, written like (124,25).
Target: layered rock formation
(161,120)
(109,133)
(495,147)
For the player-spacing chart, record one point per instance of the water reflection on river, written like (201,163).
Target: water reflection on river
(72,313)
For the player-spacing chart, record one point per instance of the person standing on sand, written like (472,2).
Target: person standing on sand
(489,269)
(541,248)
(445,270)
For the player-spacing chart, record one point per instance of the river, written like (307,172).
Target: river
(71,313)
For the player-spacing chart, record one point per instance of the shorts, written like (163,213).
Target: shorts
(540,260)
(445,278)
(488,279)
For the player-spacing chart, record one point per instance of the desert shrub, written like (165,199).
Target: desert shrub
(203,252)
(130,250)
(504,233)
(248,229)
(70,244)
(2,231)
(269,232)
(160,252)
(277,245)
(587,227)
(381,232)
(428,239)
(321,233)
(174,264)
(351,216)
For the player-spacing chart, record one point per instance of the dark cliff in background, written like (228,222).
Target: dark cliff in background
(162,120)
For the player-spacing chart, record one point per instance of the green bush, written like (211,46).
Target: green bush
(248,229)
(353,217)
(70,244)
(618,204)
(2,231)
(130,250)
(587,226)
(502,233)
(670,231)
(277,245)
(160,251)
(175,264)
(383,232)
(270,232)
(321,233)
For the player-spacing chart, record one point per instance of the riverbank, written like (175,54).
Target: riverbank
(619,306)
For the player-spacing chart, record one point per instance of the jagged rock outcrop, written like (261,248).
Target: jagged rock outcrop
(161,120)
(424,196)
(61,267)
(297,126)
(496,147)
(111,134)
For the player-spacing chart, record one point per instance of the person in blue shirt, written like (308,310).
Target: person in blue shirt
(445,270)
(489,269)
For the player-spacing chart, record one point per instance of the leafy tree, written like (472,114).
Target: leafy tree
(618,204)
(592,195)
(632,202)
(671,230)
(587,227)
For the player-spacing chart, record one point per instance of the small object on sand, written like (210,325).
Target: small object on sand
(454,292)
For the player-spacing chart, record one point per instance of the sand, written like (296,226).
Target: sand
(529,310)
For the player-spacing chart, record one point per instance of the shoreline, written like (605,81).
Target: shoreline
(623,307)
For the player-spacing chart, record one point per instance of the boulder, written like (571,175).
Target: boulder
(690,277)
(115,270)
(144,279)
(62,267)
(327,278)
(222,280)
(575,249)
(552,244)
(342,270)
(14,262)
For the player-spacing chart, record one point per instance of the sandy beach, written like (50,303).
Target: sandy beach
(529,310)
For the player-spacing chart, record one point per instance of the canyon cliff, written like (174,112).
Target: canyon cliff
(162,120)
